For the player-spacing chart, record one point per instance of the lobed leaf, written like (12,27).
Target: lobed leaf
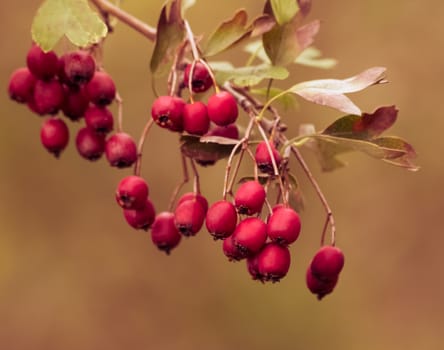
(311,57)
(204,152)
(288,101)
(71,18)
(284,10)
(170,32)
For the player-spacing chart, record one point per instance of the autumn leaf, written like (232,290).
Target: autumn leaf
(207,152)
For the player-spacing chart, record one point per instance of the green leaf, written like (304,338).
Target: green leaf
(205,153)
(72,18)
(251,75)
(288,101)
(256,50)
(311,57)
(284,10)
(232,31)
(170,33)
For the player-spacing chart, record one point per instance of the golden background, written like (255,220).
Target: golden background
(73,275)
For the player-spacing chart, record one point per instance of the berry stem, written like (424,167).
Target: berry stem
(196,184)
(146,130)
(119,102)
(107,8)
(179,186)
(192,42)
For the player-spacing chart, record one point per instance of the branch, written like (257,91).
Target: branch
(107,8)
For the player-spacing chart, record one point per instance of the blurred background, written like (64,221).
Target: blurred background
(73,275)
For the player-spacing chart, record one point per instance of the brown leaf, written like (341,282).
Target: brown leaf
(306,34)
(304,7)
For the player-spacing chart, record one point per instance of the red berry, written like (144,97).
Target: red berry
(284,225)
(194,196)
(189,217)
(101,89)
(249,236)
(99,119)
(249,198)
(76,67)
(319,287)
(48,96)
(273,262)
(141,219)
(164,233)
(230,131)
(231,251)
(222,108)
(21,85)
(75,102)
(121,150)
(221,219)
(263,157)
(201,77)
(327,263)
(89,144)
(195,118)
(43,65)
(132,192)
(54,135)
(167,112)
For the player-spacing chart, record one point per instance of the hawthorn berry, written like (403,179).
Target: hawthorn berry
(141,218)
(164,232)
(48,96)
(75,102)
(101,89)
(231,251)
(263,157)
(189,217)
(253,268)
(89,144)
(317,286)
(327,263)
(222,108)
(284,225)
(167,112)
(43,65)
(249,236)
(76,67)
(249,198)
(132,192)
(221,219)
(196,197)
(273,262)
(21,85)
(99,119)
(121,150)
(54,135)
(201,81)
(195,118)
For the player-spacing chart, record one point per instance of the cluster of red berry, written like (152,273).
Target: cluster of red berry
(75,85)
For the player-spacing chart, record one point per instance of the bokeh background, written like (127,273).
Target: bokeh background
(73,275)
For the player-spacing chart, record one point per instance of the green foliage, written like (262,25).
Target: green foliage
(284,10)
(72,18)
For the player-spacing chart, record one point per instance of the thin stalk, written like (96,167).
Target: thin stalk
(146,130)
(179,186)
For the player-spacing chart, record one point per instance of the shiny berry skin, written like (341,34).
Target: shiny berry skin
(221,219)
(222,108)
(250,236)
(142,218)
(101,89)
(48,96)
(319,287)
(164,233)
(43,65)
(195,118)
(189,217)
(327,263)
(21,85)
(132,192)
(201,81)
(263,157)
(75,102)
(284,225)
(195,197)
(230,131)
(167,112)
(89,144)
(273,262)
(54,135)
(76,67)
(99,119)
(249,198)
(121,150)
(253,268)
(231,251)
